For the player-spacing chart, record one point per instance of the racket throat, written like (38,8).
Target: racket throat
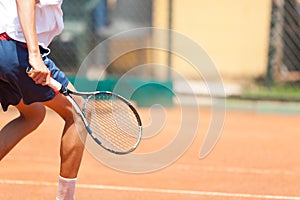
(63,90)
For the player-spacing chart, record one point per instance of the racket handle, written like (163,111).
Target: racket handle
(55,84)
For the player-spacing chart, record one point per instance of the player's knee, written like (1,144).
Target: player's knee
(68,116)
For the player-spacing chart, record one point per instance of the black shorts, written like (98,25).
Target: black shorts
(14,81)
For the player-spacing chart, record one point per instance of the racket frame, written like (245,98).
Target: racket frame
(81,112)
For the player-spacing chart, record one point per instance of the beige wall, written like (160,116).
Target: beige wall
(234,33)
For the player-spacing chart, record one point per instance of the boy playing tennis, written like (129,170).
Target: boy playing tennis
(26,29)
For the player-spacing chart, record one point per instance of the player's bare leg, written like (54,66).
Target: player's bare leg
(72,147)
(29,119)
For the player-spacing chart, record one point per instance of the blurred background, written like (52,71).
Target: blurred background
(254,44)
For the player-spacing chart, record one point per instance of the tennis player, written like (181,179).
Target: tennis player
(26,29)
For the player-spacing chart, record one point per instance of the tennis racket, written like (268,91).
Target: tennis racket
(110,119)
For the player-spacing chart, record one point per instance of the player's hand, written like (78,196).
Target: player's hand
(40,74)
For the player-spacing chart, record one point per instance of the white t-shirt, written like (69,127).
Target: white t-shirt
(49,20)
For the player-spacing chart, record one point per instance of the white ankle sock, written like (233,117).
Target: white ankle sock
(66,188)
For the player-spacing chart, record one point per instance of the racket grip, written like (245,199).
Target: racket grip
(55,84)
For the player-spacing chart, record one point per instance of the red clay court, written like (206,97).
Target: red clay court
(256,157)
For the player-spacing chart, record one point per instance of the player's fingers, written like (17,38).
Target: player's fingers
(39,77)
(46,80)
(42,79)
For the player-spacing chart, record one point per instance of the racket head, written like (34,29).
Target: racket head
(113,122)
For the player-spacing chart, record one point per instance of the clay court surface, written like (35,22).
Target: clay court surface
(256,157)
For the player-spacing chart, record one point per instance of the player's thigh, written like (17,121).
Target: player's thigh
(61,105)
(35,111)
(33,114)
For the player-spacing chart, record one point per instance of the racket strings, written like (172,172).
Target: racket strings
(113,122)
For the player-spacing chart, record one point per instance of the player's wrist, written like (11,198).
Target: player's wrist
(34,51)
(34,56)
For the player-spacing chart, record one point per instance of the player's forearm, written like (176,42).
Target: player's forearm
(27,14)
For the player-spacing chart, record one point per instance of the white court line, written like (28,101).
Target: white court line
(238,170)
(153,190)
